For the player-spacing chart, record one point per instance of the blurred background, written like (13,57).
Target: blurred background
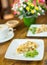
(5,9)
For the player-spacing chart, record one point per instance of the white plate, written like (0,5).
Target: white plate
(29,33)
(12,54)
(9,36)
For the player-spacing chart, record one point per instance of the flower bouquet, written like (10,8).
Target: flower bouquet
(29,10)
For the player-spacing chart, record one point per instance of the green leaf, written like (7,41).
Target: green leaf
(33,30)
(31,53)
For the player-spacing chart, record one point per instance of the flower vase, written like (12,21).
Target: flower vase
(28,20)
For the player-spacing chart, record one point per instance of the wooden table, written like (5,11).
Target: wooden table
(21,33)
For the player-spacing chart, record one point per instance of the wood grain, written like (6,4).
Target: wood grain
(19,34)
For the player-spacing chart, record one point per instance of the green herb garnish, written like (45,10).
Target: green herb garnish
(33,29)
(31,53)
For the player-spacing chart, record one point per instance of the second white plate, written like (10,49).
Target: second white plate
(29,33)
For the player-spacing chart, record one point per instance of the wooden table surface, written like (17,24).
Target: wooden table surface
(19,34)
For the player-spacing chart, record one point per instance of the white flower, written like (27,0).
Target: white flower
(43,11)
(34,10)
(12,8)
(40,8)
(15,7)
(38,14)
(21,1)
(24,5)
(21,8)
(21,4)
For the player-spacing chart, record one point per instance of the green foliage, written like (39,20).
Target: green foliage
(30,0)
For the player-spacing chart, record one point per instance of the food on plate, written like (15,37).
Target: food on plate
(28,49)
(42,28)
(27,46)
(33,29)
(31,53)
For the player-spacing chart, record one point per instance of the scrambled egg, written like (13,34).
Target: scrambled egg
(27,46)
(43,28)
